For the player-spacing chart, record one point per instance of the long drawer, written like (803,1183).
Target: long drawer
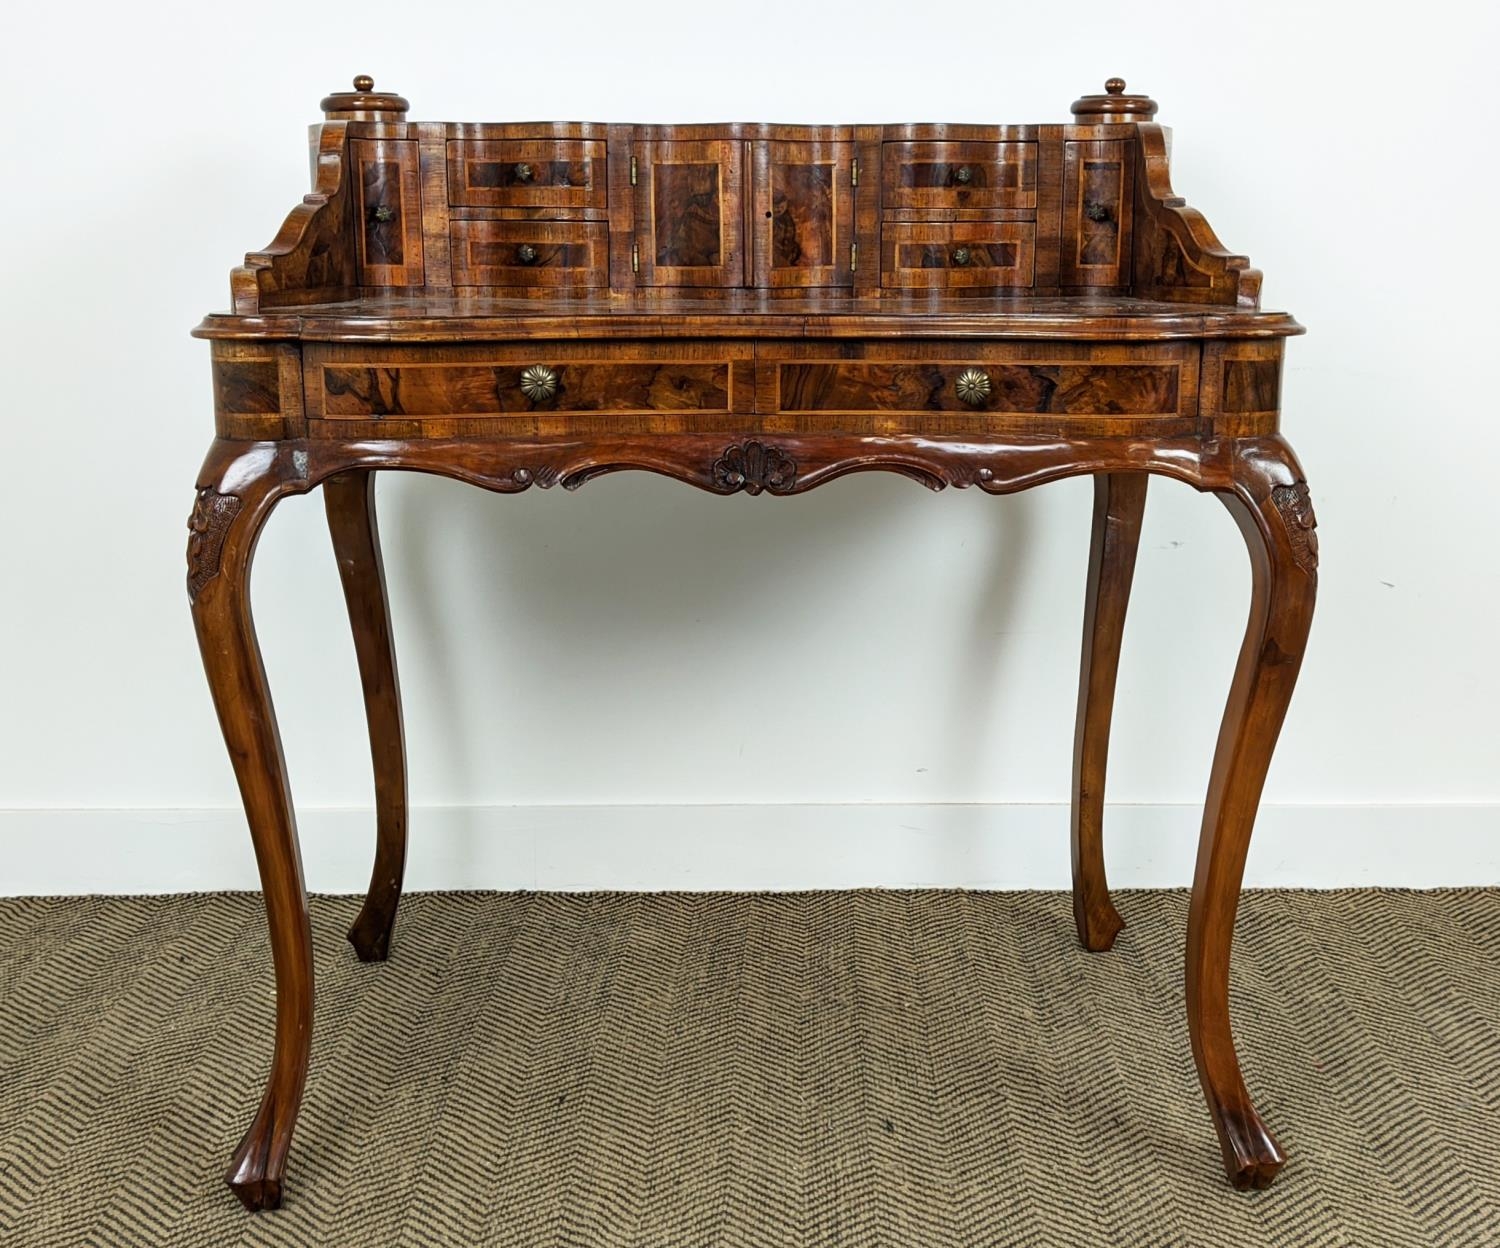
(436,391)
(357,390)
(932,386)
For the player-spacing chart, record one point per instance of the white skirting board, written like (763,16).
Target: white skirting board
(49,851)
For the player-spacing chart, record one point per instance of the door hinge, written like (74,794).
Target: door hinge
(635,257)
(854,173)
(632,171)
(853,257)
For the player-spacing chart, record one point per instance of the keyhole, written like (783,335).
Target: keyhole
(768,214)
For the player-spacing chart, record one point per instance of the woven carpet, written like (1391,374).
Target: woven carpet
(850,1069)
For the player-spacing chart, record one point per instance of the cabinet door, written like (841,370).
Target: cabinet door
(1097,194)
(388,206)
(690,204)
(803,215)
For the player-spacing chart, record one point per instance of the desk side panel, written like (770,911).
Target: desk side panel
(1242,387)
(257,390)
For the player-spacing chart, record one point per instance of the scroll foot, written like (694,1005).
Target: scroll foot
(247,1177)
(371,935)
(1252,1157)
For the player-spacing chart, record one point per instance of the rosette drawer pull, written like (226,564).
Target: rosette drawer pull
(539,383)
(973,386)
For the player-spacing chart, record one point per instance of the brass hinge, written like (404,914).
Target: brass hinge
(635,257)
(854,173)
(632,171)
(853,257)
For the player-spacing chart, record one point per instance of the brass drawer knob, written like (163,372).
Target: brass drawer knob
(382,213)
(526,253)
(973,386)
(1095,211)
(524,172)
(539,383)
(963,175)
(961,256)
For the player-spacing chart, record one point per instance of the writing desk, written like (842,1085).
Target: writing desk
(760,308)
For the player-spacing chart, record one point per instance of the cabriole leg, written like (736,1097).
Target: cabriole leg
(240,485)
(350,500)
(1270,502)
(1119,504)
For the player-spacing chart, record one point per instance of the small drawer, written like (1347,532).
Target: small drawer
(526,173)
(959,175)
(529,253)
(958,254)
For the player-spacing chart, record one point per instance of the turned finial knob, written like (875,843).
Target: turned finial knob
(1113,107)
(364,103)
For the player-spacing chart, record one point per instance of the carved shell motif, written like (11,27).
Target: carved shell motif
(1294,503)
(753,467)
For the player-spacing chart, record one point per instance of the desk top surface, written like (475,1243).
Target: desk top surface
(747,314)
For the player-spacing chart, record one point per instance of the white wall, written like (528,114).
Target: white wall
(642,643)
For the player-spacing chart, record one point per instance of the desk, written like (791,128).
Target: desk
(760,308)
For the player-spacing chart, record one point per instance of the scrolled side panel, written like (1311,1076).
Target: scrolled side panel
(312,258)
(1177,256)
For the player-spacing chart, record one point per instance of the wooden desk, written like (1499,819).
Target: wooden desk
(760,308)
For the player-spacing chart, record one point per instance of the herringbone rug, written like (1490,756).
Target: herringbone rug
(850,1069)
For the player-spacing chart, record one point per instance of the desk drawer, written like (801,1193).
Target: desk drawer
(406,389)
(526,173)
(954,255)
(529,253)
(1107,386)
(958,175)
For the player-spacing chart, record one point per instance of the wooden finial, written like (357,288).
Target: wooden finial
(364,103)
(1113,106)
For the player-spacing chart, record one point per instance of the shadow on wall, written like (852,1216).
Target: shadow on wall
(638,572)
